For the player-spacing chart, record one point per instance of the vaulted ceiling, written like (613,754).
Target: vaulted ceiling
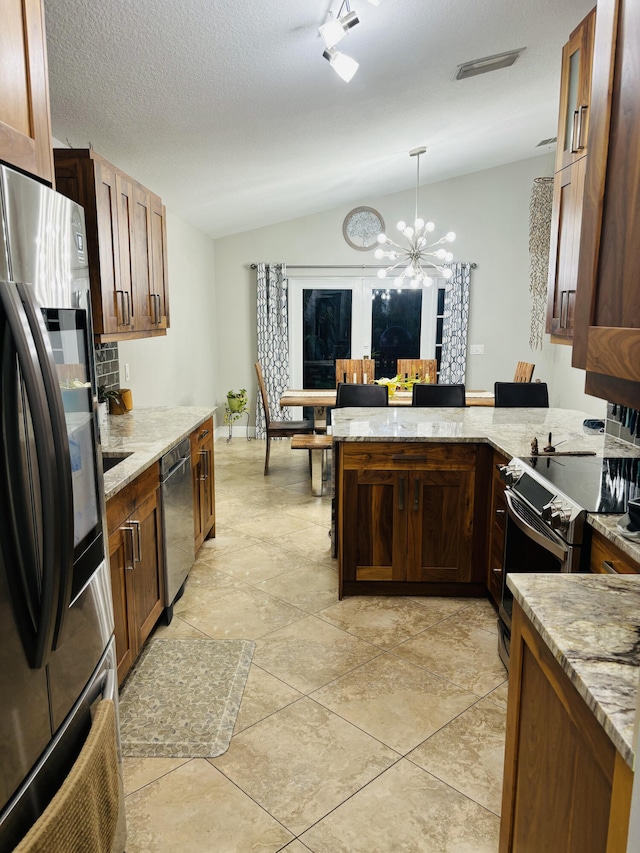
(227,109)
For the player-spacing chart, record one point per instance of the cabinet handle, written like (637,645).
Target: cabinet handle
(576,131)
(401,495)
(401,457)
(564,311)
(501,512)
(416,494)
(120,307)
(581,113)
(137,555)
(128,552)
(203,434)
(607,565)
(204,467)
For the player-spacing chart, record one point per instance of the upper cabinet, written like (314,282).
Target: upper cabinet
(25,122)
(575,94)
(126,237)
(568,188)
(607,334)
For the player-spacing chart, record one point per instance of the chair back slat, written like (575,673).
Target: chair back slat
(524,372)
(424,368)
(350,370)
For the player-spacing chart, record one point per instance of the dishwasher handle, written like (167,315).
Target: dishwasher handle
(176,467)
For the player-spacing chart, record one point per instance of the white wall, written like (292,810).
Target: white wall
(489,211)
(179,369)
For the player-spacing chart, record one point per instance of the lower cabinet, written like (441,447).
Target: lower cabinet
(607,558)
(136,560)
(497,528)
(203,482)
(565,785)
(406,519)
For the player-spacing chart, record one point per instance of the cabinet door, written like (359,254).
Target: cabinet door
(114,308)
(141,259)
(148,565)
(125,293)
(607,337)
(25,123)
(121,563)
(207,487)
(374,525)
(575,94)
(159,286)
(440,526)
(565,249)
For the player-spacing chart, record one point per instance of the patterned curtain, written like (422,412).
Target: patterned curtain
(453,361)
(540,206)
(273,340)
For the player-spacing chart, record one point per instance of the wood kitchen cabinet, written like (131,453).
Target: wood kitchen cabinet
(203,482)
(497,530)
(126,237)
(569,179)
(25,121)
(406,519)
(565,785)
(137,568)
(575,93)
(607,558)
(607,336)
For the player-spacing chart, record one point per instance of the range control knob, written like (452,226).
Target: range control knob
(556,515)
(509,474)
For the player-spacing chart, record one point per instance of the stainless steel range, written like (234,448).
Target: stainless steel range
(548,499)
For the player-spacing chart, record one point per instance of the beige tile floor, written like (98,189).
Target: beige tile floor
(370,725)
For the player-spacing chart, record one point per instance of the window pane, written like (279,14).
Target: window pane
(326,335)
(395,328)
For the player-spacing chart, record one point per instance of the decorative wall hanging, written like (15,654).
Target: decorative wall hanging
(361,227)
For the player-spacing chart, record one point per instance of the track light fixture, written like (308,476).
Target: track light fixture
(336,29)
(344,66)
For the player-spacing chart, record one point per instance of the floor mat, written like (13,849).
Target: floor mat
(182,698)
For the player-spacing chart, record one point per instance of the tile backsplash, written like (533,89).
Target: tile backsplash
(107,365)
(623,423)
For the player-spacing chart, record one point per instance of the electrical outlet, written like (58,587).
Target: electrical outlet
(477,349)
(126,373)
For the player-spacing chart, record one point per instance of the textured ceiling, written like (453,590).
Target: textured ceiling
(229,112)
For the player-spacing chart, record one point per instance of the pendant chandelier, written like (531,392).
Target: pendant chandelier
(412,262)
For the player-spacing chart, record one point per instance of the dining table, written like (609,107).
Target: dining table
(323,398)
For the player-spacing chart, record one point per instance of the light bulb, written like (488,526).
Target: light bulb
(441,254)
(428,281)
(419,223)
(379,254)
(430,226)
(451,236)
(447,273)
(408,232)
(393,256)
(382,238)
(382,273)
(414,283)
(422,241)
(448,257)
(401,225)
(332,32)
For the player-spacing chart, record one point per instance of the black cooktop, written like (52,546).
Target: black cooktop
(599,485)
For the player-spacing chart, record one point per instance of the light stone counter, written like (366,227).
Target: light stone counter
(146,434)
(591,625)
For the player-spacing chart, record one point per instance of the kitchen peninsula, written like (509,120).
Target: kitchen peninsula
(413,490)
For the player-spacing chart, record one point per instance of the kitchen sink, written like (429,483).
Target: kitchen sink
(110,460)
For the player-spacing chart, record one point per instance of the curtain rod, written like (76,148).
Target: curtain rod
(337,266)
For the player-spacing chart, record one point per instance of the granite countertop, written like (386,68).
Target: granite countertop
(146,434)
(591,625)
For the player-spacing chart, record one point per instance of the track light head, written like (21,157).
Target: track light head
(336,29)
(344,66)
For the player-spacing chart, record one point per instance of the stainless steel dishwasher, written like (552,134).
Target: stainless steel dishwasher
(178,521)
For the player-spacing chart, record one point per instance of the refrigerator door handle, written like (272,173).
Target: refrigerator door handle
(35,599)
(62,474)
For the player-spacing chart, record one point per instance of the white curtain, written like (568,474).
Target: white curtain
(273,340)
(455,326)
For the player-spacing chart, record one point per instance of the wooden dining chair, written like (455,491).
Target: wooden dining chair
(524,372)
(350,370)
(531,395)
(277,429)
(438,395)
(424,368)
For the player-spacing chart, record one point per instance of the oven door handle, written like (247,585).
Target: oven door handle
(553,545)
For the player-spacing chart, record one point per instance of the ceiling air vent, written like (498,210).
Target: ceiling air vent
(488,63)
(549,141)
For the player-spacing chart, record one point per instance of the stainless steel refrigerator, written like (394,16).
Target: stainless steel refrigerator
(57,653)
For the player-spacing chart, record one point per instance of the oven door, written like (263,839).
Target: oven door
(531,546)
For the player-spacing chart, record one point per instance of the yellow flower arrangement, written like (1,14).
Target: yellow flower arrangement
(398,383)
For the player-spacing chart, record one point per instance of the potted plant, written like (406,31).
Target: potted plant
(113,399)
(237,400)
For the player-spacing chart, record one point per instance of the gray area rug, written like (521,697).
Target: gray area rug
(182,698)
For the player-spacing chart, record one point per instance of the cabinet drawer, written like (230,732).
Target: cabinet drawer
(607,558)
(120,507)
(200,437)
(394,456)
